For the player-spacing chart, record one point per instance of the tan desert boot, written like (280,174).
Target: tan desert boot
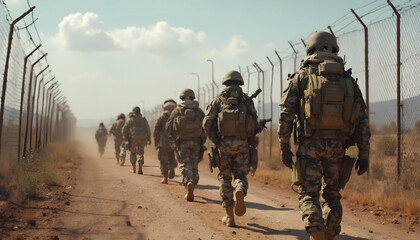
(317,235)
(171,173)
(229,219)
(190,192)
(240,208)
(140,169)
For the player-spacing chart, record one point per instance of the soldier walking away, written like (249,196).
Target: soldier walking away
(101,137)
(116,130)
(187,136)
(325,106)
(166,154)
(231,123)
(136,135)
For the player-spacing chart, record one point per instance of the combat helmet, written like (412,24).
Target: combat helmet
(136,110)
(187,93)
(101,124)
(169,105)
(169,100)
(321,39)
(121,116)
(233,76)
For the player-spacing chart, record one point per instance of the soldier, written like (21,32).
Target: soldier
(166,154)
(101,138)
(116,130)
(231,122)
(185,132)
(136,135)
(327,106)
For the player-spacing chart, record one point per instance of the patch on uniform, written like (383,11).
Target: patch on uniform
(285,94)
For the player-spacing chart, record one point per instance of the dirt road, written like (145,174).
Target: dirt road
(110,202)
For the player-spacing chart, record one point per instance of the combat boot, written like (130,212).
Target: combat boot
(165,179)
(140,171)
(240,208)
(118,159)
(329,237)
(229,219)
(122,162)
(171,173)
(190,192)
(317,235)
(134,168)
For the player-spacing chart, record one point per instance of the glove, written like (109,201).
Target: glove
(362,165)
(286,155)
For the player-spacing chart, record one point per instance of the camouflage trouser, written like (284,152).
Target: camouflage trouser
(322,159)
(123,150)
(101,147)
(117,146)
(167,160)
(137,151)
(234,159)
(188,154)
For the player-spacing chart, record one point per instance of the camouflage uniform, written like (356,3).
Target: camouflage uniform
(136,132)
(166,154)
(101,137)
(116,130)
(234,151)
(189,151)
(322,156)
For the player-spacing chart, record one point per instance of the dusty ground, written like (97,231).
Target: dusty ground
(107,201)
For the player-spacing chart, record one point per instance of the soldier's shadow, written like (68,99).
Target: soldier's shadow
(259,206)
(207,187)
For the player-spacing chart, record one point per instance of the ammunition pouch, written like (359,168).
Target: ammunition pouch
(298,171)
(253,159)
(345,171)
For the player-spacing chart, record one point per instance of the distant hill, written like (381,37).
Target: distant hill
(381,113)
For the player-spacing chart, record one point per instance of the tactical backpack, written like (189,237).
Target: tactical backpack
(233,119)
(139,130)
(188,124)
(327,108)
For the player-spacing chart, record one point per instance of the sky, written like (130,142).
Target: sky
(110,56)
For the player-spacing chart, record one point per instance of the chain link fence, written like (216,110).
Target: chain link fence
(35,112)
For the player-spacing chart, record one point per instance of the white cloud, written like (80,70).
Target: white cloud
(236,47)
(158,39)
(13,2)
(84,32)
(79,32)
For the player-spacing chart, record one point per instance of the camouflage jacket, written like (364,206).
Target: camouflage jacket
(159,127)
(116,128)
(101,134)
(130,125)
(290,102)
(176,113)
(213,109)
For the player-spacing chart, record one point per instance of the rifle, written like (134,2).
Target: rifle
(262,123)
(247,99)
(214,158)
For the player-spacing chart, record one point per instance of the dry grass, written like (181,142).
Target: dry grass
(381,188)
(37,171)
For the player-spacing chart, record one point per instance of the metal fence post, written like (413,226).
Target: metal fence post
(6,69)
(29,102)
(294,61)
(399,105)
(33,107)
(271,106)
(22,93)
(281,72)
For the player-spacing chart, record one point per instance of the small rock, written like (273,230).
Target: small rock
(69,187)
(44,214)
(67,203)
(371,212)
(395,221)
(32,222)
(370,231)
(283,205)
(383,223)
(377,214)
(109,228)
(233,232)
(139,207)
